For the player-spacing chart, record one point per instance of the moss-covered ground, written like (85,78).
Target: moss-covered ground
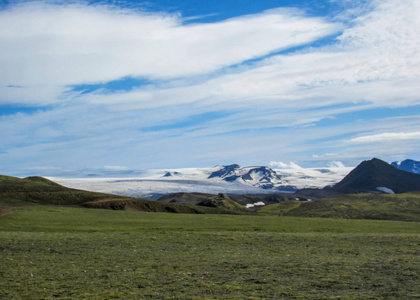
(401,207)
(52,252)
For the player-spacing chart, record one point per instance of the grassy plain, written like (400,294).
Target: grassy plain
(51,252)
(401,207)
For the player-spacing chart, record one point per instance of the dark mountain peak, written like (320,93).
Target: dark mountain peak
(170,174)
(374,173)
(375,165)
(374,162)
(225,171)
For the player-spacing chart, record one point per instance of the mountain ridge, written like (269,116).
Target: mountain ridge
(258,176)
(408,165)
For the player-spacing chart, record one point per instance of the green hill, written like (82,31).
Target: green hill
(135,204)
(224,202)
(402,207)
(186,198)
(10,184)
(220,201)
(37,190)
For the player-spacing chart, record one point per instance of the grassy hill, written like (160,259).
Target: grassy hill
(220,201)
(145,205)
(37,190)
(32,184)
(186,198)
(266,198)
(402,207)
(224,202)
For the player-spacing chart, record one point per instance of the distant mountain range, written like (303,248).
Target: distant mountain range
(262,178)
(309,183)
(408,165)
(372,190)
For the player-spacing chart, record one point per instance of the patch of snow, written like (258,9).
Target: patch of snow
(385,190)
(251,205)
(398,163)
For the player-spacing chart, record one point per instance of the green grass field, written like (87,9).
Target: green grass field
(397,207)
(55,252)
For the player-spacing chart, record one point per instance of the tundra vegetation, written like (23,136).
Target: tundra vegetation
(52,246)
(70,252)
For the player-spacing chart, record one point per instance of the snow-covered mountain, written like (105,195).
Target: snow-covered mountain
(408,165)
(260,177)
(232,179)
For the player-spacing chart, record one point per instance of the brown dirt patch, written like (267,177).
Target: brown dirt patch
(5,211)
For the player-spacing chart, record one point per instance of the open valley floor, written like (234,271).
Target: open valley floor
(67,253)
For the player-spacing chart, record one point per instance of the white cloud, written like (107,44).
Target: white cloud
(63,45)
(278,165)
(336,164)
(387,136)
(376,61)
(326,155)
(281,165)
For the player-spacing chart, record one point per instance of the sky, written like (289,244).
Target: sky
(117,86)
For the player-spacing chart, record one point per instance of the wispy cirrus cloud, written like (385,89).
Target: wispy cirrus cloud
(370,61)
(386,136)
(54,46)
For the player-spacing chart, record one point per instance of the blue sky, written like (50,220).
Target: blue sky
(132,85)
